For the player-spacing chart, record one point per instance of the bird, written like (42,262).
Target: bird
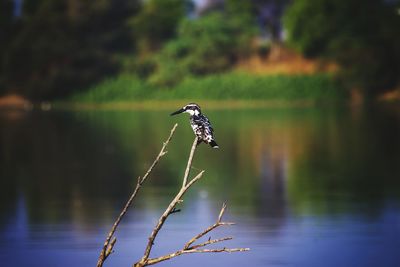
(200,124)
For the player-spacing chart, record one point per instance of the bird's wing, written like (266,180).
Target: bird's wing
(207,126)
(203,121)
(208,122)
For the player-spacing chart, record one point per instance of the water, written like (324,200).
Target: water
(306,187)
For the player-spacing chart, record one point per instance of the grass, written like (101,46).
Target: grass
(229,86)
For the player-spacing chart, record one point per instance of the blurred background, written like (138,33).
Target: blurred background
(55,49)
(303,96)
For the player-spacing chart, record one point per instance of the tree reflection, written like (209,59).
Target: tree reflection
(81,166)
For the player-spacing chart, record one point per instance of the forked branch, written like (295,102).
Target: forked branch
(164,216)
(189,248)
(177,199)
(110,240)
(209,229)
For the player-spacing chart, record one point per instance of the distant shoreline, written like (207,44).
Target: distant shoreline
(168,104)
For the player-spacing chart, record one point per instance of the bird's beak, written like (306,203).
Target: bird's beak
(177,112)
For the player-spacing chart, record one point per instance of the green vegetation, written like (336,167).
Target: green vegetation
(204,46)
(156,22)
(361,36)
(59,47)
(55,49)
(215,87)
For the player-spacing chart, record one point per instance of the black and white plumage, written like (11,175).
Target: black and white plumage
(200,124)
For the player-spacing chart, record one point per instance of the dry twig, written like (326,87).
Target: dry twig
(110,240)
(187,248)
(189,164)
(178,198)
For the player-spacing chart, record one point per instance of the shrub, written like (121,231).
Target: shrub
(362,36)
(209,44)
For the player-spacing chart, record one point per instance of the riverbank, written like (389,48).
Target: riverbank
(171,104)
(227,87)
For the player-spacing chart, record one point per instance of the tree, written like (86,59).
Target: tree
(208,44)
(63,46)
(156,22)
(361,36)
(190,246)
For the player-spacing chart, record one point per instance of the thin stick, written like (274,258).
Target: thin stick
(181,252)
(211,241)
(189,164)
(194,249)
(187,248)
(177,199)
(209,229)
(108,244)
(164,217)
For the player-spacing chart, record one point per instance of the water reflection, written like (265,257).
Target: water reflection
(304,185)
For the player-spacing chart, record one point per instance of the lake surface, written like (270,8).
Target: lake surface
(306,186)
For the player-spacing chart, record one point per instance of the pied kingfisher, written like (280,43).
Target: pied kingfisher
(200,124)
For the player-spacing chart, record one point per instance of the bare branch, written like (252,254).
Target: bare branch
(177,199)
(145,260)
(108,244)
(181,252)
(110,247)
(195,179)
(164,216)
(209,242)
(188,248)
(189,164)
(161,154)
(209,229)
(221,213)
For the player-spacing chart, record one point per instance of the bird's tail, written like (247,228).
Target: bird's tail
(213,144)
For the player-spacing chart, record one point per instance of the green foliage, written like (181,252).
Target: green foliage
(209,44)
(156,22)
(242,20)
(217,87)
(124,87)
(253,87)
(63,46)
(362,36)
